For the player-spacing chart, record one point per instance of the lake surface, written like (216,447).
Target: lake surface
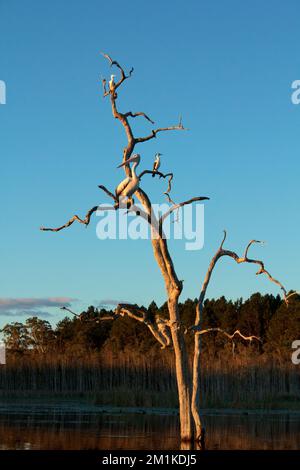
(66,426)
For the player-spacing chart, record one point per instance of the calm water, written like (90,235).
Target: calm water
(67,426)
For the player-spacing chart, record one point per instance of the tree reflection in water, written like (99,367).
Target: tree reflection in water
(38,427)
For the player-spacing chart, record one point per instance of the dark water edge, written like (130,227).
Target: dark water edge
(75,426)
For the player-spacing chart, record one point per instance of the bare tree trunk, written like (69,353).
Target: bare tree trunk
(163,259)
(182,372)
(174,288)
(196,392)
(189,400)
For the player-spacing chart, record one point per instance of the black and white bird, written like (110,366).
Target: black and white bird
(156,163)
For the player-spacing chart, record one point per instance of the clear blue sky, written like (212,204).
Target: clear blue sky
(227,67)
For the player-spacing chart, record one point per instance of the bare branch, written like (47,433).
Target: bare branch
(112,62)
(107,192)
(84,221)
(262,269)
(196,394)
(104,86)
(161,175)
(154,173)
(158,327)
(220,253)
(132,311)
(291,294)
(179,127)
(181,204)
(123,75)
(164,329)
(248,246)
(71,311)
(96,320)
(237,332)
(87,218)
(106,318)
(133,115)
(169,184)
(170,201)
(223,241)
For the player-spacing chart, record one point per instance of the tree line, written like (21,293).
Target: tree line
(89,334)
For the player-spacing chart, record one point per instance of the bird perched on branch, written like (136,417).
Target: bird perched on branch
(111,82)
(156,163)
(129,185)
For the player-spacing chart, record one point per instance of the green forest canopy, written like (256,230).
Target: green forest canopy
(265,316)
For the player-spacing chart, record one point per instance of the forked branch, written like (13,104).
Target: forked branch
(123,74)
(134,115)
(161,175)
(123,116)
(262,269)
(244,259)
(154,132)
(181,204)
(155,173)
(82,316)
(159,327)
(198,331)
(84,221)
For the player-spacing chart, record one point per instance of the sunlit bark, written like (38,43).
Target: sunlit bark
(168,332)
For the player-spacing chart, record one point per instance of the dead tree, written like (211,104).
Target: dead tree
(170,332)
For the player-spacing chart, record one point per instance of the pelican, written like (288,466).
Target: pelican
(156,163)
(111,82)
(129,185)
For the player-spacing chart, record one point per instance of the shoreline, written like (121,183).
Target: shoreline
(11,406)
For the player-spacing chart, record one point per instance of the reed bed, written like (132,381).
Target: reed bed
(130,380)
